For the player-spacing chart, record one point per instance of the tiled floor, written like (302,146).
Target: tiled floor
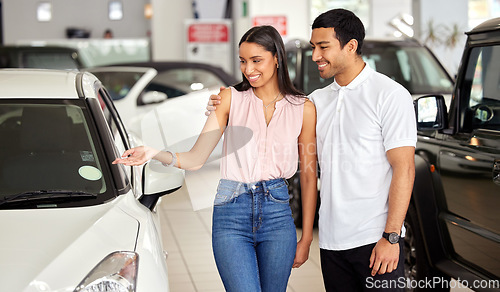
(187,239)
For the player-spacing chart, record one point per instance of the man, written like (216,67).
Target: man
(366,136)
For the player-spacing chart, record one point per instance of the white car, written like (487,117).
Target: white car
(70,219)
(164,104)
(139,88)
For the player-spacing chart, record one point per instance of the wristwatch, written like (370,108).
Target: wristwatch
(392,237)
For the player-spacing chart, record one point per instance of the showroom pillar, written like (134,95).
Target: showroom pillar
(167,29)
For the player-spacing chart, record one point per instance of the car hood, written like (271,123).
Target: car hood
(54,249)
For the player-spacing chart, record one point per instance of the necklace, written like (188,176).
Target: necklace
(266,106)
(274,100)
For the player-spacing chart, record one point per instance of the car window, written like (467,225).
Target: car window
(291,60)
(413,67)
(46,60)
(115,125)
(483,87)
(312,80)
(180,81)
(118,84)
(49,147)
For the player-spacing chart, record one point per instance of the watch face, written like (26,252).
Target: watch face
(393,238)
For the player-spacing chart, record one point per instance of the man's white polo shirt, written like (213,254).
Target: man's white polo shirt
(356,125)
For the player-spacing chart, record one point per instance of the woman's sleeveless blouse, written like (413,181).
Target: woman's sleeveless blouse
(254,151)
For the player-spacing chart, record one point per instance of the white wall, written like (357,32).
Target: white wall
(444,14)
(20,23)
(381,14)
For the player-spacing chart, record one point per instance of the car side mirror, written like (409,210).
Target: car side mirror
(159,180)
(430,111)
(152,97)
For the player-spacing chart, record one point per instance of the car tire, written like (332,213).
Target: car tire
(417,266)
(295,200)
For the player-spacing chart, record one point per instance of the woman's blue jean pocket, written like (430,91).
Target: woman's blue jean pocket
(224,196)
(279,193)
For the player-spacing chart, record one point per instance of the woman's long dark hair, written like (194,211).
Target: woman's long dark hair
(270,39)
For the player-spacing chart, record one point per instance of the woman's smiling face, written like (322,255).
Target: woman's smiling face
(257,64)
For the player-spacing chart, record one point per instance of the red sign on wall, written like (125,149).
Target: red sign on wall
(278,22)
(208,33)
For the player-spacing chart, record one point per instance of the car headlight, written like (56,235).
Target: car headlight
(117,272)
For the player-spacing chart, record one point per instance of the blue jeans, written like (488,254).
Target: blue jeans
(253,235)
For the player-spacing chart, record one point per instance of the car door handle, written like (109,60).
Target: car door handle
(496,172)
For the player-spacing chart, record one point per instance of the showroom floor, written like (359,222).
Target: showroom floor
(187,239)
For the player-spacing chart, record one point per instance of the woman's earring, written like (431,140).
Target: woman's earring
(277,66)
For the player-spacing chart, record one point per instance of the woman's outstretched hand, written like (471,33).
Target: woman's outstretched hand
(136,156)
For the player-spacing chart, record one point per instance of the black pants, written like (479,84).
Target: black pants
(349,270)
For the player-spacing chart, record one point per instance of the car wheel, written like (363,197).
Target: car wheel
(417,267)
(295,200)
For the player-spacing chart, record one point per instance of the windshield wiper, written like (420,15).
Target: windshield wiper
(45,194)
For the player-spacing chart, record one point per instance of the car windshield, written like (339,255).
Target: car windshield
(47,60)
(118,84)
(413,67)
(181,81)
(48,150)
(172,82)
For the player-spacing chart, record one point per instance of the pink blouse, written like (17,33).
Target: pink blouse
(254,151)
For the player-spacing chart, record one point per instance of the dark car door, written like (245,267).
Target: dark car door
(469,163)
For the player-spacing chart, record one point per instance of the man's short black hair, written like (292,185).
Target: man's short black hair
(346,24)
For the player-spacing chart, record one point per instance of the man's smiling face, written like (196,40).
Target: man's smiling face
(327,52)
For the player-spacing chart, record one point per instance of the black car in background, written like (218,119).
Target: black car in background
(40,57)
(406,61)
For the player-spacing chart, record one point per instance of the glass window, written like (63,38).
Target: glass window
(291,59)
(49,147)
(412,67)
(177,82)
(118,84)
(312,80)
(47,60)
(483,81)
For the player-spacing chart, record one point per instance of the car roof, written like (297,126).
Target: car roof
(45,83)
(489,25)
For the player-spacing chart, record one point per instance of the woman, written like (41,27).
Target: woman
(253,235)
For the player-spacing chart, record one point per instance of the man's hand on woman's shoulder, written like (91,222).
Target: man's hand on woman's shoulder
(213,101)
